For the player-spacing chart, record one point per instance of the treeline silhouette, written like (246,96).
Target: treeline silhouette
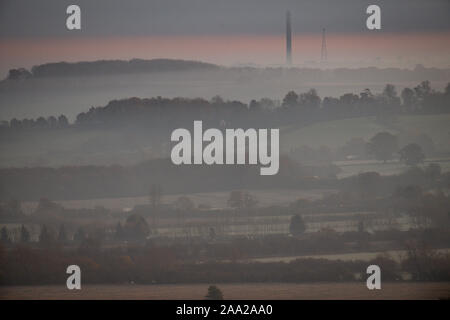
(149,265)
(61,227)
(125,253)
(108,67)
(104,67)
(90,182)
(165,113)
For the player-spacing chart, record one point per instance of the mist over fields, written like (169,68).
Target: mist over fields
(69,89)
(222,150)
(116,117)
(86,177)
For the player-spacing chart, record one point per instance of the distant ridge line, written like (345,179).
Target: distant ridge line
(103,67)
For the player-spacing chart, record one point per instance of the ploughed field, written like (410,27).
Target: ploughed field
(344,291)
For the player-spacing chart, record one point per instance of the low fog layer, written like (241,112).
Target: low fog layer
(55,94)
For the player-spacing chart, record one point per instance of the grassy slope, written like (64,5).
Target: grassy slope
(108,147)
(337,132)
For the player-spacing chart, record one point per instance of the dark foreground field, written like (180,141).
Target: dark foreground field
(345,291)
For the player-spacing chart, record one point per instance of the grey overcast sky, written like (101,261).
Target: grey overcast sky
(226,32)
(46,18)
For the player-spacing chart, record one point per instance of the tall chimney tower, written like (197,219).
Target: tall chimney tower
(288,39)
(323,52)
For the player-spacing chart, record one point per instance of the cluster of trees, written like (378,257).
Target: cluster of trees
(241,199)
(39,123)
(143,265)
(135,229)
(6,237)
(372,184)
(11,210)
(214,293)
(143,262)
(47,237)
(19,74)
(164,113)
(364,192)
(426,209)
(420,99)
(324,241)
(297,225)
(98,68)
(48,210)
(384,145)
(298,108)
(90,182)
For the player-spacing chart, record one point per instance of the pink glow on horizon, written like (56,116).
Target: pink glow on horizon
(434,48)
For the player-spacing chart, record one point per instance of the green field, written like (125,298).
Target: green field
(337,132)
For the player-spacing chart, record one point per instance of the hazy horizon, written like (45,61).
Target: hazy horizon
(231,33)
(169,145)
